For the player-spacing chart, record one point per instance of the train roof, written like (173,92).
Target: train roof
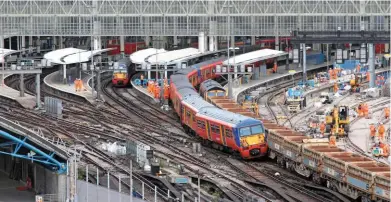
(208,62)
(177,78)
(210,85)
(186,90)
(196,102)
(184,71)
(229,117)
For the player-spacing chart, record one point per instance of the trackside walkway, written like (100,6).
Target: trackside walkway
(282,73)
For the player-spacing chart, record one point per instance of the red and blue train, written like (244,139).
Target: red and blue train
(221,129)
(123,73)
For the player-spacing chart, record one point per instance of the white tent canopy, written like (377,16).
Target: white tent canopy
(172,56)
(140,56)
(254,56)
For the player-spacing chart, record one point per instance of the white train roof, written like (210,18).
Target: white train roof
(140,56)
(173,56)
(254,56)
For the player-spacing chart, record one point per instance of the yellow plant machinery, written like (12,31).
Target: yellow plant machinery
(337,121)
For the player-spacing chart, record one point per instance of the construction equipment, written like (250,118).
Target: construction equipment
(322,77)
(326,97)
(295,100)
(355,84)
(337,121)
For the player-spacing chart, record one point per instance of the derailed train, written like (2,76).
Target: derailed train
(353,175)
(222,129)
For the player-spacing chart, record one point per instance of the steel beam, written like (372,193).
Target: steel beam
(38,89)
(48,159)
(21,85)
(335,40)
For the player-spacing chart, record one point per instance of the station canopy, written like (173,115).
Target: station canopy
(56,55)
(254,56)
(172,56)
(140,56)
(83,56)
(6,52)
(72,55)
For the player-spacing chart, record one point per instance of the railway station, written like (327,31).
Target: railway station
(211,100)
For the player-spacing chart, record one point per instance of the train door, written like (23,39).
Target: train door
(183,114)
(222,131)
(208,130)
(207,74)
(188,117)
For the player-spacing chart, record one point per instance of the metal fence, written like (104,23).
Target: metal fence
(91,192)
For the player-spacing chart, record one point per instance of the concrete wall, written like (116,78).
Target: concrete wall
(44,181)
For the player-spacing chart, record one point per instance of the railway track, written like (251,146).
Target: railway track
(287,191)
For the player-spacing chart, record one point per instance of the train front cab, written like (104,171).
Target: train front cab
(120,78)
(252,141)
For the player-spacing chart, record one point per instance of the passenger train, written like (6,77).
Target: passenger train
(123,73)
(222,129)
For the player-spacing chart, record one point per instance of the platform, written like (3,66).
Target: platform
(28,101)
(236,91)
(141,90)
(55,82)
(9,193)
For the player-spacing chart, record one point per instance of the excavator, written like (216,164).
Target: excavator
(337,121)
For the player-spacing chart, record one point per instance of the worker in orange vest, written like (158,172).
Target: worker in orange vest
(333,141)
(166,92)
(275,68)
(365,110)
(381,131)
(368,76)
(372,129)
(386,150)
(331,74)
(335,87)
(358,68)
(387,113)
(322,127)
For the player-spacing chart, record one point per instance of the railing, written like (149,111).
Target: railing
(50,198)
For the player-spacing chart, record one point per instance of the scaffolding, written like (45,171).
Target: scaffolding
(188,18)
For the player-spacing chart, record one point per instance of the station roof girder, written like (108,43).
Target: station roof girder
(339,37)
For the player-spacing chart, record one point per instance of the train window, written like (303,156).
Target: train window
(211,94)
(256,129)
(228,133)
(201,124)
(221,94)
(188,113)
(214,128)
(245,131)
(194,117)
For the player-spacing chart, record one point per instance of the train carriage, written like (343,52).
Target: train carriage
(247,133)
(191,104)
(211,88)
